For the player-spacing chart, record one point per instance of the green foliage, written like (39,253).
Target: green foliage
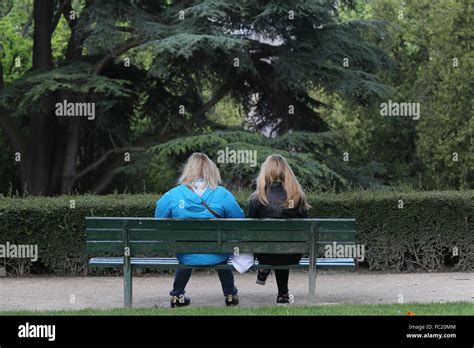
(277,56)
(424,38)
(446,80)
(318,164)
(15,48)
(421,236)
(76,78)
(59,230)
(282,61)
(184,63)
(5,7)
(228,113)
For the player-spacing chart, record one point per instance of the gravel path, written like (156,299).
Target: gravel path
(51,293)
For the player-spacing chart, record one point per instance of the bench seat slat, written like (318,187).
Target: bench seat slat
(160,262)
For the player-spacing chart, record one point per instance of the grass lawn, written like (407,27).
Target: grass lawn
(450,308)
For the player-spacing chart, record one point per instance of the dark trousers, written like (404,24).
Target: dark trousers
(183,274)
(281,275)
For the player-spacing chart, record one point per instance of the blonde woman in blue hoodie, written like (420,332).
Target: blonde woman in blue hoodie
(199,196)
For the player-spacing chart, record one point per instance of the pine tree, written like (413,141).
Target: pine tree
(314,157)
(266,55)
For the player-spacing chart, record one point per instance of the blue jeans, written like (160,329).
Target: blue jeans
(182,277)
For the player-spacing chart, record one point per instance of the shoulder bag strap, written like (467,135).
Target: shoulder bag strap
(205,205)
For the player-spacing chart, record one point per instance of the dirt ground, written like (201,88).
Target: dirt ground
(52,293)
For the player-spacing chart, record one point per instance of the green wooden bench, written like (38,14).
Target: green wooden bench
(134,243)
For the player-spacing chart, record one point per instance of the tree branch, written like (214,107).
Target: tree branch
(220,93)
(65,9)
(2,83)
(263,50)
(125,29)
(27,25)
(7,12)
(112,55)
(107,177)
(103,158)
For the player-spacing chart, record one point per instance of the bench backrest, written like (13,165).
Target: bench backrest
(147,236)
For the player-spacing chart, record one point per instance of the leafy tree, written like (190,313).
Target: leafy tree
(265,56)
(427,39)
(445,142)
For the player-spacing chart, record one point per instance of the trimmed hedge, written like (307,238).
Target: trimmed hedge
(419,236)
(425,234)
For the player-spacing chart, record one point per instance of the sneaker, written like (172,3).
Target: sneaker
(179,301)
(283,298)
(262,276)
(231,300)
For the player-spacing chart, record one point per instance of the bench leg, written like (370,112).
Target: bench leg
(127,266)
(312,283)
(127,284)
(312,270)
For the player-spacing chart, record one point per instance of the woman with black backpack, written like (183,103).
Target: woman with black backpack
(278,196)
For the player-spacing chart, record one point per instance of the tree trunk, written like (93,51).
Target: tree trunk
(70,159)
(43,16)
(1,67)
(69,169)
(60,133)
(40,145)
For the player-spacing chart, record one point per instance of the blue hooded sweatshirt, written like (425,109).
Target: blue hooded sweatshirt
(183,203)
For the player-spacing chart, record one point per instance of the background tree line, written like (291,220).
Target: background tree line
(263,75)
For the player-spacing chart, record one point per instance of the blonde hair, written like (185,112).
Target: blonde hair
(200,167)
(276,169)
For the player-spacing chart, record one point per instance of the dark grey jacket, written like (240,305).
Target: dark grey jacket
(276,209)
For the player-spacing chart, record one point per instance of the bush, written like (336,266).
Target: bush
(58,229)
(420,236)
(425,234)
